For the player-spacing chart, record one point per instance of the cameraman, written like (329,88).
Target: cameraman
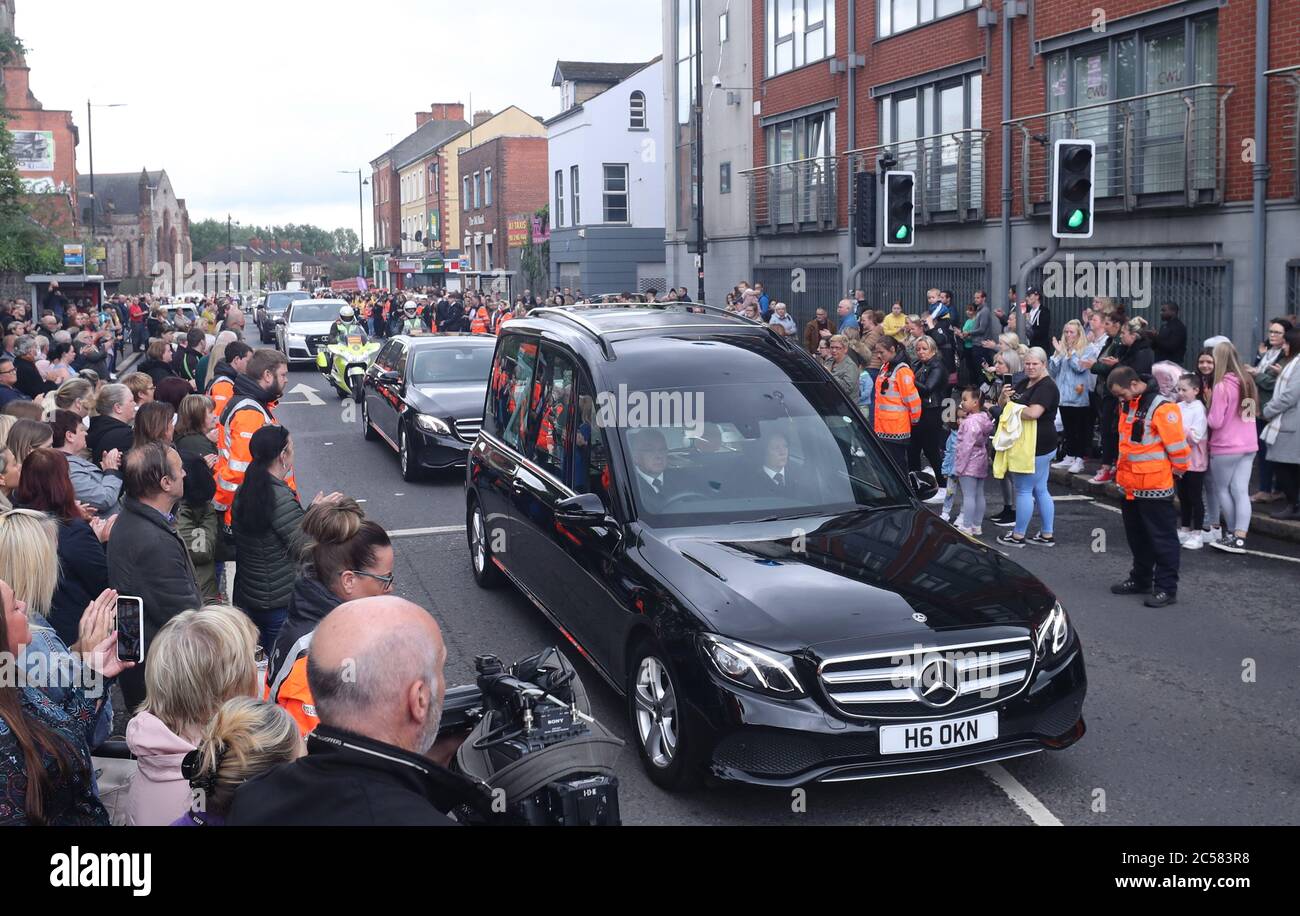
(376,672)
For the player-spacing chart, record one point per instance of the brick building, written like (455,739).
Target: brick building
(507,185)
(45,143)
(140,222)
(1166,90)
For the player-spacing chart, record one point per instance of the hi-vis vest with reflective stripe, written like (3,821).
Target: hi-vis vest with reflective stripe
(1146,466)
(898,409)
(288,686)
(479,323)
(221,391)
(241,420)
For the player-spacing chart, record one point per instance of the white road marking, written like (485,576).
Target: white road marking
(1024,799)
(308,392)
(1253,553)
(425,532)
(1072,498)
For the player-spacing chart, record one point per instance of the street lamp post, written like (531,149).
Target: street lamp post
(361,219)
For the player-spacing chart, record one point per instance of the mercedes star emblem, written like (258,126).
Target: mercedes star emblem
(937,684)
(919,617)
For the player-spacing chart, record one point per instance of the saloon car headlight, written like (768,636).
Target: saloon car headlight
(1053,632)
(297,340)
(758,669)
(432,425)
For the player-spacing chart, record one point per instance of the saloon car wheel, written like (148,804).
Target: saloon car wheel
(663,737)
(410,463)
(366,429)
(486,574)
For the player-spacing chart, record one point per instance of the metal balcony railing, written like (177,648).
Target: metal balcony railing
(1287,145)
(1159,149)
(792,197)
(949,171)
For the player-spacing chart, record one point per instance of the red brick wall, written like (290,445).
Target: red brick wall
(387,212)
(519,170)
(957,39)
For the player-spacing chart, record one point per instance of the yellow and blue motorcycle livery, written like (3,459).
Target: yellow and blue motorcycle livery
(344,364)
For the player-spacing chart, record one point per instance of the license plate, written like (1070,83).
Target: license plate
(929,736)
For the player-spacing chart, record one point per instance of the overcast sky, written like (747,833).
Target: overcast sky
(253,109)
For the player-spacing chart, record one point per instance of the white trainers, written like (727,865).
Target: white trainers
(936,499)
(1064,462)
(1076,466)
(1193,541)
(1215,534)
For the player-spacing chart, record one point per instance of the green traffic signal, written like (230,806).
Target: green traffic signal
(1076,219)
(901,233)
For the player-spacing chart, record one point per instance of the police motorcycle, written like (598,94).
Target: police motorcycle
(344,362)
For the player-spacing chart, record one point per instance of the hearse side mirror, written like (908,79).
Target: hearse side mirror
(923,485)
(583,509)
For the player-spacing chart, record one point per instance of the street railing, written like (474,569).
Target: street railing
(1158,149)
(949,171)
(791,197)
(1287,145)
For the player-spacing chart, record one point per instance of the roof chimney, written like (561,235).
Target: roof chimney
(440,111)
(481,116)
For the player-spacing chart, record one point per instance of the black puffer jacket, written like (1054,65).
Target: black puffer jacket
(107,433)
(931,382)
(268,558)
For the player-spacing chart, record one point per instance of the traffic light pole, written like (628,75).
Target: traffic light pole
(861,267)
(1036,262)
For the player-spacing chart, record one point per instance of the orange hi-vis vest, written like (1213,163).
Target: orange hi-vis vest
(288,687)
(1147,460)
(246,417)
(479,323)
(897,403)
(552,417)
(221,391)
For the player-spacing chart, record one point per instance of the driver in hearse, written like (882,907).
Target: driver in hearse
(656,482)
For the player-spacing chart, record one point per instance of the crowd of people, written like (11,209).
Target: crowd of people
(175,485)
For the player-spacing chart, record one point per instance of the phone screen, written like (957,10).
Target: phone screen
(1006,380)
(130,629)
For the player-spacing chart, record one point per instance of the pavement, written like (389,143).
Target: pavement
(1190,711)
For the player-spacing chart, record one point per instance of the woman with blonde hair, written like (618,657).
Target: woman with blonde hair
(245,739)
(76,395)
(27,436)
(1073,382)
(1234,404)
(198,661)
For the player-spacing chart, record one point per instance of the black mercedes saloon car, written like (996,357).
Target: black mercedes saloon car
(708,520)
(424,397)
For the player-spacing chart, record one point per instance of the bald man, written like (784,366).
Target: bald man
(375,671)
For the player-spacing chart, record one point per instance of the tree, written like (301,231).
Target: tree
(535,260)
(25,245)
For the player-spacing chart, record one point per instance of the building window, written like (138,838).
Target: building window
(792,192)
(434,184)
(1142,62)
(722,29)
(488,247)
(636,111)
(478,190)
(464,192)
(895,16)
(948,114)
(616,193)
(724,178)
(799,32)
(573,196)
(487,187)
(687,46)
(559,198)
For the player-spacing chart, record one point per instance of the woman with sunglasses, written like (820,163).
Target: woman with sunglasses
(267,520)
(348,557)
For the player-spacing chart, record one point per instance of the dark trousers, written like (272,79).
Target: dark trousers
(1191,499)
(1108,417)
(928,438)
(132,683)
(1151,526)
(897,450)
(1077,431)
(1288,478)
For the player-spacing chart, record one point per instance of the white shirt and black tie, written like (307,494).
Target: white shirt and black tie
(777,477)
(654,481)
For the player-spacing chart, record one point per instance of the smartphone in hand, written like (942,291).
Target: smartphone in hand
(130,629)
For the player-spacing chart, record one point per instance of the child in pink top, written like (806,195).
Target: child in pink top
(972,462)
(1191,486)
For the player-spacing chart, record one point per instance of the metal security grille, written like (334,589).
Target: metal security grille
(1293,287)
(1202,290)
(820,288)
(884,283)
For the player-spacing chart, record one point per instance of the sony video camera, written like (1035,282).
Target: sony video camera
(534,744)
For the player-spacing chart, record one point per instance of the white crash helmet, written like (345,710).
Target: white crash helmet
(346,313)
(409,307)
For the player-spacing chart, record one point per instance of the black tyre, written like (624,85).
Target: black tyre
(408,456)
(665,741)
(366,429)
(486,574)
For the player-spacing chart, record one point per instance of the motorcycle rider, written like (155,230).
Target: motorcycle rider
(412,323)
(346,325)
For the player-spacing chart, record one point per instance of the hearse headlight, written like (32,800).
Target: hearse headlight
(758,669)
(432,425)
(1053,632)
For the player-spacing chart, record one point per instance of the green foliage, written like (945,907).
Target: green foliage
(209,235)
(25,245)
(535,260)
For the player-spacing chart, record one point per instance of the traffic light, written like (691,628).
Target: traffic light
(1073,170)
(900,202)
(864,203)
